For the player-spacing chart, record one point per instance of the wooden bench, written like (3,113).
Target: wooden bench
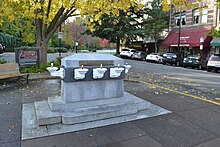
(11,70)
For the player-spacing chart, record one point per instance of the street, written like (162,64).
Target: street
(196,83)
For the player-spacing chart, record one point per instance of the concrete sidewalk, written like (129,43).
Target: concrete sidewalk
(191,123)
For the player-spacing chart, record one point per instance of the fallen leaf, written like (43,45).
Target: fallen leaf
(12,126)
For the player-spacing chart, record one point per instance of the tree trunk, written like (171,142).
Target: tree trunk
(43,52)
(155,46)
(45,32)
(117,45)
(155,41)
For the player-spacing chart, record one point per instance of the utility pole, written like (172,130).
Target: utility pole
(76,43)
(60,35)
(180,23)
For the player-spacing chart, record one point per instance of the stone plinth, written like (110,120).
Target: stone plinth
(91,90)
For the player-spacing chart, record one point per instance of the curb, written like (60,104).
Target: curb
(35,76)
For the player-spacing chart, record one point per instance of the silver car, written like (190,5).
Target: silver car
(127,52)
(214,63)
(154,57)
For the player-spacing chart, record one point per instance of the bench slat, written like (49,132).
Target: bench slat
(11,70)
(9,67)
(8,72)
(11,76)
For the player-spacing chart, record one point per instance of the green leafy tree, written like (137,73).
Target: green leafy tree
(215,32)
(115,28)
(157,20)
(9,41)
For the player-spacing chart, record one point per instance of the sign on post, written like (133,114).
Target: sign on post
(60,35)
(25,57)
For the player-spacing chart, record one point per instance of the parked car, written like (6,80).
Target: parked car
(139,55)
(172,58)
(214,63)
(195,62)
(127,52)
(155,57)
(1,49)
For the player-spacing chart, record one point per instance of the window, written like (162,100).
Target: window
(177,19)
(200,16)
(216,50)
(219,15)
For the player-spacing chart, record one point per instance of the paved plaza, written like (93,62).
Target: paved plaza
(191,123)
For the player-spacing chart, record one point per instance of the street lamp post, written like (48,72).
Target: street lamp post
(76,45)
(201,45)
(180,22)
(76,42)
(60,36)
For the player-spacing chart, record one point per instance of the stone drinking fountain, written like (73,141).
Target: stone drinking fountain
(92,95)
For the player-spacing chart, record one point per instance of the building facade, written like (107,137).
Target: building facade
(190,29)
(215,43)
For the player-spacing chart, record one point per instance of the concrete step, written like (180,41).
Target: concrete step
(44,114)
(77,112)
(84,116)
(57,104)
(102,112)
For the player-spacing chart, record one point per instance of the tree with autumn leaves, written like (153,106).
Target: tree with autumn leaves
(45,16)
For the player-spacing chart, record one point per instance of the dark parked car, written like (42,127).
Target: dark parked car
(195,62)
(214,63)
(139,55)
(172,58)
(1,49)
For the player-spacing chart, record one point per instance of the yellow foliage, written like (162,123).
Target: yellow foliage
(29,10)
(37,5)
(78,21)
(91,20)
(165,5)
(100,22)
(96,17)
(92,29)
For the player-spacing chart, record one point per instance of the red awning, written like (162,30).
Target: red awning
(188,37)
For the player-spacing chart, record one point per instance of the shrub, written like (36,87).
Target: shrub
(63,50)
(51,50)
(41,69)
(2,61)
(98,47)
(56,50)
(82,48)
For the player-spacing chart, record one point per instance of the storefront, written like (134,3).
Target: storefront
(193,41)
(215,43)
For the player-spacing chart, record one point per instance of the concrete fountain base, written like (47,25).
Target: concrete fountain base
(86,103)
(38,120)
